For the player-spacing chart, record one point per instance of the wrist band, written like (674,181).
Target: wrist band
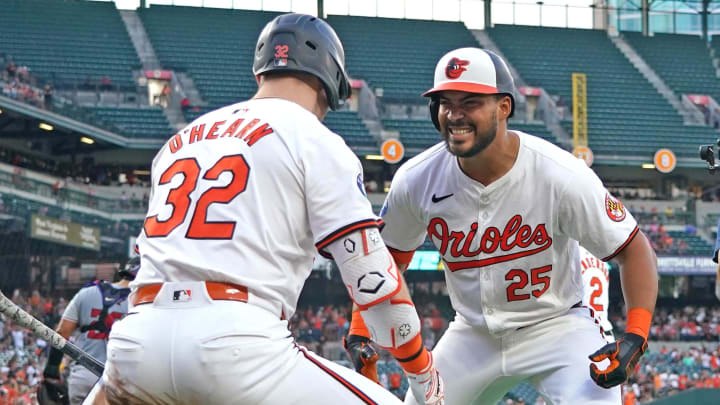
(638,322)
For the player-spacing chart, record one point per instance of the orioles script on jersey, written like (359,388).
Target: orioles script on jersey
(515,234)
(219,130)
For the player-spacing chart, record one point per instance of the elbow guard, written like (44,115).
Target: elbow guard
(372,279)
(367,269)
(392,323)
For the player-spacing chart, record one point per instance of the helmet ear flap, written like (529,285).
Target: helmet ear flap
(434,106)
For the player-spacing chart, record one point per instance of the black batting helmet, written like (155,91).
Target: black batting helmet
(130,269)
(473,70)
(303,43)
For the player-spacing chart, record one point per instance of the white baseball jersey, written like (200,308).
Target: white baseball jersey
(509,248)
(596,280)
(245,194)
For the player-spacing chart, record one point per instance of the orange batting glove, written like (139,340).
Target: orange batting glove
(623,354)
(363,356)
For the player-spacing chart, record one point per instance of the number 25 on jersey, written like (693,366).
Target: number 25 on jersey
(179,198)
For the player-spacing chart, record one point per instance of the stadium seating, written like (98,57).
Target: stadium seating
(397,55)
(24,208)
(663,51)
(696,245)
(349,125)
(422,133)
(223,72)
(414,133)
(626,115)
(136,122)
(215,46)
(67,42)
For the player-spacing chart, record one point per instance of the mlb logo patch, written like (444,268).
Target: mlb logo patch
(182,295)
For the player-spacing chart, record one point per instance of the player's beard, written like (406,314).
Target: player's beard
(481,140)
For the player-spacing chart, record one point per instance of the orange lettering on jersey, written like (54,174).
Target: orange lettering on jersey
(232,128)
(175,143)
(514,235)
(213,129)
(196,133)
(258,133)
(246,128)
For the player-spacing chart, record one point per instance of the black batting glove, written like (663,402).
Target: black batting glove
(623,355)
(52,372)
(363,356)
(52,368)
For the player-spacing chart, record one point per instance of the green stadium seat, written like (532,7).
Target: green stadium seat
(626,115)
(136,122)
(65,43)
(663,51)
(223,72)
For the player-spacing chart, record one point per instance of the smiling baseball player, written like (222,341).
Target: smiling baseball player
(505,210)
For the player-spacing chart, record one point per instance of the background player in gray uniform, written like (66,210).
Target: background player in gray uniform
(91,312)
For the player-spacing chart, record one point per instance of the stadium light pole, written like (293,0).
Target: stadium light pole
(488,13)
(540,4)
(704,18)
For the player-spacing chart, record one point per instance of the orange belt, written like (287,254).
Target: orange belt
(216,290)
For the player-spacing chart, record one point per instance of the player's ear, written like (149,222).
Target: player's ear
(504,105)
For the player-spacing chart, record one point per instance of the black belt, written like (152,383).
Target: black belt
(577,305)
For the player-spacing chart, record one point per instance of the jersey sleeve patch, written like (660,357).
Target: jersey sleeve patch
(339,233)
(614,208)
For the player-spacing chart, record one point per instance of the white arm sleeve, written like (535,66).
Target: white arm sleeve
(372,279)
(367,268)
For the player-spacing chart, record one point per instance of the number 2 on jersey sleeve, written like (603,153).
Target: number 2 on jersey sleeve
(597,293)
(179,198)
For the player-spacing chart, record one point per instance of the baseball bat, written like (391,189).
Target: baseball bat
(26,320)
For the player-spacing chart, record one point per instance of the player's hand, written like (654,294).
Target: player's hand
(363,356)
(52,391)
(623,355)
(428,387)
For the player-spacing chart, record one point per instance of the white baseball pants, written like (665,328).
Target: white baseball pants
(478,368)
(196,351)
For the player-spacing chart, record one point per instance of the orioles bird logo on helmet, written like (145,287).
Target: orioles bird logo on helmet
(455,67)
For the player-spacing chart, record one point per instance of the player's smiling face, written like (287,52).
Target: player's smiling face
(468,121)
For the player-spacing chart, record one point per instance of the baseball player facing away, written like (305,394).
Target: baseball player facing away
(241,198)
(505,210)
(92,312)
(596,282)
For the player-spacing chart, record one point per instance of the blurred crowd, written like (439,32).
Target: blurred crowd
(658,374)
(78,173)
(22,355)
(687,324)
(663,242)
(321,329)
(669,371)
(19,84)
